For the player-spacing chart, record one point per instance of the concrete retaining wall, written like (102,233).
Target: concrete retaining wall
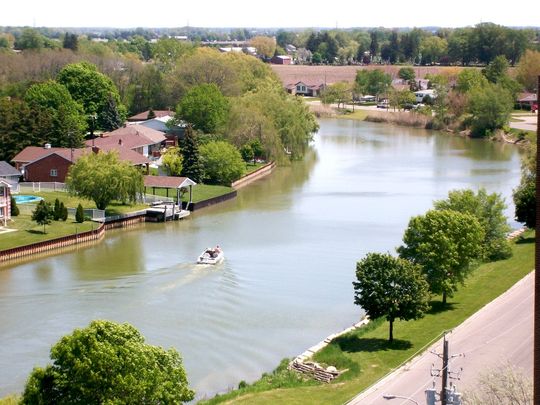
(256,175)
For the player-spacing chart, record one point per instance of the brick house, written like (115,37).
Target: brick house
(143,140)
(5,202)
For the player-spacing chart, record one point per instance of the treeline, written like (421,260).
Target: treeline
(60,95)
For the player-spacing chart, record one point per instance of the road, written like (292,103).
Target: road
(500,333)
(527,122)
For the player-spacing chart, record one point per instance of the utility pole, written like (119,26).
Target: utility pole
(448,394)
(444,377)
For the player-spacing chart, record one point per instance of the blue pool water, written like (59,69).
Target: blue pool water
(23,199)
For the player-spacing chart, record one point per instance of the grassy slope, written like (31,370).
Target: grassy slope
(374,357)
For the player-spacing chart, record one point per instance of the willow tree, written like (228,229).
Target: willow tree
(102,178)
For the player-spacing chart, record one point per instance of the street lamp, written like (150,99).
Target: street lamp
(390,396)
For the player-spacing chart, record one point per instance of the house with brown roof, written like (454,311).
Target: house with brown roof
(302,88)
(143,140)
(143,116)
(47,164)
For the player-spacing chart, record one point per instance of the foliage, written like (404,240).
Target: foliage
(246,151)
(102,177)
(191,160)
(401,98)
(222,162)
(391,287)
(433,49)
(57,213)
(470,78)
(373,82)
(14,210)
(446,244)
(525,194)
(339,93)
(43,214)
(30,39)
(111,117)
(528,70)
(406,73)
(265,46)
(205,107)
(490,108)
(172,161)
(496,69)
(93,90)
(64,212)
(68,124)
(108,363)
(501,385)
(79,214)
(488,209)
(71,41)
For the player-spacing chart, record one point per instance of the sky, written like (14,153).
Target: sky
(274,13)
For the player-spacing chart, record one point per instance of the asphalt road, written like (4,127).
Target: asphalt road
(498,334)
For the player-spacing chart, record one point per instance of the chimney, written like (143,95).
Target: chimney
(47,146)
(120,141)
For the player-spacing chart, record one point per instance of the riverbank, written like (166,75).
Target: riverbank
(366,351)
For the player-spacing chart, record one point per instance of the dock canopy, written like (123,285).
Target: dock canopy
(170,182)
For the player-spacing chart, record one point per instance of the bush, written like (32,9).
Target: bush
(14,209)
(64,212)
(79,214)
(57,212)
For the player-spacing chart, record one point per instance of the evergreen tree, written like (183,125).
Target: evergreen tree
(14,209)
(56,212)
(110,118)
(151,114)
(79,214)
(64,212)
(43,214)
(71,41)
(190,152)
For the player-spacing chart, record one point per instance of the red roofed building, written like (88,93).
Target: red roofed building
(143,140)
(144,115)
(306,89)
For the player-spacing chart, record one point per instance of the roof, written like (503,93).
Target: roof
(31,153)
(127,155)
(310,85)
(7,170)
(167,181)
(132,137)
(6,182)
(143,116)
(527,97)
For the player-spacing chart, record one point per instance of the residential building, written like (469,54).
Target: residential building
(9,173)
(5,202)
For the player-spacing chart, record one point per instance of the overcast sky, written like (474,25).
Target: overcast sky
(273,13)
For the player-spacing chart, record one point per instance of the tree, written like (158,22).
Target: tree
(339,93)
(205,107)
(265,46)
(446,244)
(488,209)
(407,73)
(30,39)
(528,69)
(191,160)
(110,117)
(469,79)
(490,108)
(68,123)
(391,287)
(432,49)
(102,177)
(374,82)
(172,161)
(71,41)
(14,210)
(496,69)
(57,213)
(221,162)
(43,214)
(108,363)
(79,214)
(525,194)
(64,210)
(93,90)
(247,153)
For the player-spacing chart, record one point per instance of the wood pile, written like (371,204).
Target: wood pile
(315,371)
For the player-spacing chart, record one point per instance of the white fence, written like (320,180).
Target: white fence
(36,187)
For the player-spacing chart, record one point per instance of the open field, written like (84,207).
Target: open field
(333,74)
(366,351)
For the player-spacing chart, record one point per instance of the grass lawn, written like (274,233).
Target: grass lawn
(251,167)
(529,135)
(358,114)
(27,231)
(200,192)
(366,351)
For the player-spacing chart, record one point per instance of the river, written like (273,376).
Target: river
(291,242)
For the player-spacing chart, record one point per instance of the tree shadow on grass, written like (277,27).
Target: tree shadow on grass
(353,344)
(36,232)
(438,307)
(523,241)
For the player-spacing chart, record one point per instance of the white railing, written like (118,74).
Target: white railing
(36,187)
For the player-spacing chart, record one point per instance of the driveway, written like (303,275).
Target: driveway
(526,122)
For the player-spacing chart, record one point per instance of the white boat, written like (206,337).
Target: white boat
(211,256)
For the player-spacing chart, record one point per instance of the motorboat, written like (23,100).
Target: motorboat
(211,256)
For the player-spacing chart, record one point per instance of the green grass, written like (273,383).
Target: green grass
(356,115)
(27,231)
(529,135)
(10,400)
(368,349)
(200,192)
(252,167)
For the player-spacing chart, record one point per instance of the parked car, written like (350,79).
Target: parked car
(383,104)
(534,108)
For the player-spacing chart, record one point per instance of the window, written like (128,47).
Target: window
(54,173)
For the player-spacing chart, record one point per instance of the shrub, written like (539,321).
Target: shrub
(14,209)
(79,214)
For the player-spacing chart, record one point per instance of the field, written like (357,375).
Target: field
(333,74)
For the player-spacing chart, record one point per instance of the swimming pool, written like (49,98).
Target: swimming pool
(24,199)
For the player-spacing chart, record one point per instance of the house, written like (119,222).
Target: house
(46,164)
(143,140)
(281,60)
(9,173)
(143,116)
(306,89)
(5,202)
(527,101)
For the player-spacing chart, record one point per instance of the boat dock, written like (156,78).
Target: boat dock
(165,212)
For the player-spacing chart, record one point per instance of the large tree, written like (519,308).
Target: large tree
(222,162)
(374,82)
(391,287)
(488,209)
(446,244)
(66,115)
(108,363)
(172,161)
(528,69)
(102,178)
(525,194)
(43,214)
(204,107)
(93,90)
(191,159)
(490,108)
